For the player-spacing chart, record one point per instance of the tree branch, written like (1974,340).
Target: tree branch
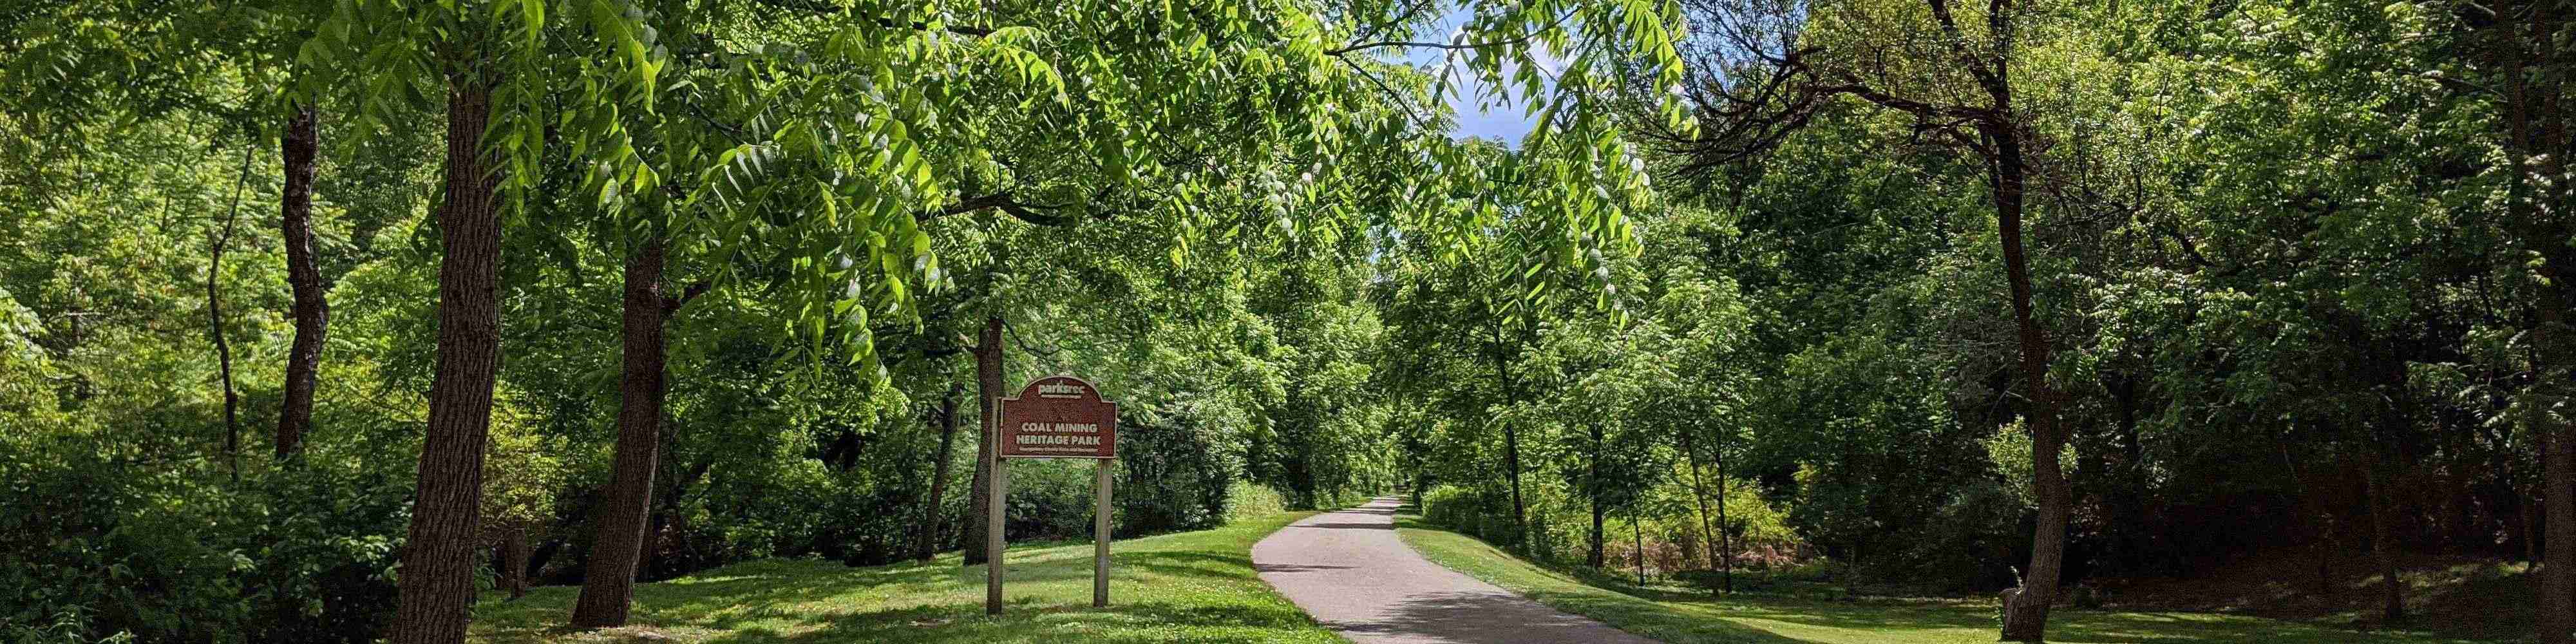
(814,6)
(1003,201)
(671,304)
(1523,38)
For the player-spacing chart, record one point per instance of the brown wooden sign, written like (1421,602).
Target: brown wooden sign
(1059,417)
(1055,417)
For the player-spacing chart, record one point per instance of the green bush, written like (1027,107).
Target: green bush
(98,548)
(1484,513)
(1174,473)
(1247,500)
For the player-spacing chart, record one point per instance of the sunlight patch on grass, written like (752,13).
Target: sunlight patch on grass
(1187,587)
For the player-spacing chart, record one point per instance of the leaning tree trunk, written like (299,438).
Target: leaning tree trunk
(312,314)
(988,388)
(1637,527)
(437,573)
(925,542)
(2026,619)
(608,584)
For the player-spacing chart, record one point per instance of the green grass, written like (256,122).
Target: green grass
(1686,617)
(1187,587)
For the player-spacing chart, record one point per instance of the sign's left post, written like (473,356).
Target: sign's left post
(993,522)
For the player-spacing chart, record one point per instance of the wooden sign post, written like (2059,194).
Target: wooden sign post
(1054,417)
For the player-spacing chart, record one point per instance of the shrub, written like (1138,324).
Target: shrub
(94,547)
(1484,513)
(1248,500)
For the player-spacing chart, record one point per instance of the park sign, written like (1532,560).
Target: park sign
(1059,417)
(1054,417)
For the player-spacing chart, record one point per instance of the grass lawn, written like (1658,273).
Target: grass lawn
(1187,587)
(1686,617)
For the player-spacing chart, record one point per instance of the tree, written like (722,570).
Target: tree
(945,416)
(1852,50)
(297,150)
(482,58)
(437,569)
(2525,57)
(607,590)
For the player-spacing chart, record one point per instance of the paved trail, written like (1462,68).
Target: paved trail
(1351,571)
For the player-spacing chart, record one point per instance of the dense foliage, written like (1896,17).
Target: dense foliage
(2289,272)
(1931,298)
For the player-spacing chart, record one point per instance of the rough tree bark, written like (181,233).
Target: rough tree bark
(608,583)
(437,573)
(311,312)
(925,543)
(988,388)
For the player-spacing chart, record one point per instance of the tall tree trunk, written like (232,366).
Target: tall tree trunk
(437,573)
(988,388)
(1699,497)
(312,314)
(1592,483)
(2027,619)
(2537,145)
(2128,496)
(1725,529)
(2320,542)
(925,543)
(1512,451)
(2387,367)
(2393,590)
(1637,527)
(510,560)
(608,585)
(216,243)
(2558,539)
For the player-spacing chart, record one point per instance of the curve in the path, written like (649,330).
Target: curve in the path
(1352,573)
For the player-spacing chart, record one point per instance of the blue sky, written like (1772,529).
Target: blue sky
(1505,121)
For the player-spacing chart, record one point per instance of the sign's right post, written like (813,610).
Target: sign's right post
(1100,536)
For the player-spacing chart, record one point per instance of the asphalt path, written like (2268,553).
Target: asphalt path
(1351,572)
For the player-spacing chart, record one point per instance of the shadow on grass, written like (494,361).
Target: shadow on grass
(1744,617)
(1025,620)
(1187,587)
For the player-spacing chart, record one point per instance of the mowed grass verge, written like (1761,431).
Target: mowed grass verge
(1186,587)
(1691,617)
